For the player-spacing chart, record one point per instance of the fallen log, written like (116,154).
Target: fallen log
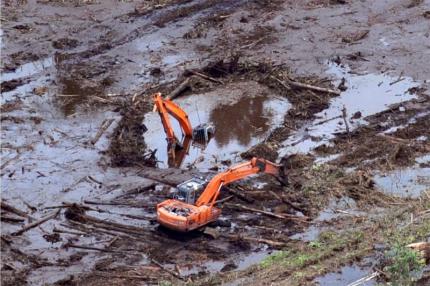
(74,216)
(285,201)
(5,206)
(327,120)
(205,76)
(239,195)
(92,229)
(367,278)
(36,223)
(11,219)
(136,277)
(289,82)
(173,273)
(277,230)
(212,232)
(139,190)
(105,125)
(283,216)
(179,89)
(57,230)
(253,239)
(344,115)
(71,245)
(422,247)
(223,200)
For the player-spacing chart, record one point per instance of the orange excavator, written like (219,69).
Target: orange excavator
(183,214)
(177,150)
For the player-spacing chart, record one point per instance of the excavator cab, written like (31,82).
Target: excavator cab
(188,190)
(202,133)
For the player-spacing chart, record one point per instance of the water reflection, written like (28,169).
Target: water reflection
(240,121)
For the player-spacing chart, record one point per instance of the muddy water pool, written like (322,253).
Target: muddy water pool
(241,119)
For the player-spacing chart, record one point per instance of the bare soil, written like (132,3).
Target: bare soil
(77,80)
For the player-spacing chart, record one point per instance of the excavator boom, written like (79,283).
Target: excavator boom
(182,215)
(235,173)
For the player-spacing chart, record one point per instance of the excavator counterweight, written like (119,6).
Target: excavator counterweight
(183,214)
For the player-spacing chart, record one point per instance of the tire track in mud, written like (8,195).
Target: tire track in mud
(160,19)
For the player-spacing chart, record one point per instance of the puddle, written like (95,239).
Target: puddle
(28,69)
(311,234)
(423,159)
(241,120)
(337,208)
(409,182)
(237,264)
(367,94)
(253,259)
(347,276)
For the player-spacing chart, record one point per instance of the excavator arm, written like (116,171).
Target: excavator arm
(166,107)
(254,166)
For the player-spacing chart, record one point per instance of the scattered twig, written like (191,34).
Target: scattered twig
(40,174)
(36,223)
(399,79)
(94,180)
(9,161)
(101,99)
(276,196)
(253,43)
(32,208)
(355,37)
(394,139)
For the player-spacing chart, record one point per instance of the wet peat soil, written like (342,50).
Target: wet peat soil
(76,93)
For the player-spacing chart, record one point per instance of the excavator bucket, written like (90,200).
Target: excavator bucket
(284,167)
(282,176)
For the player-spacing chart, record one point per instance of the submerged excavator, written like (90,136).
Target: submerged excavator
(199,135)
(183,213)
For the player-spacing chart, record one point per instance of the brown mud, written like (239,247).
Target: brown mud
(84,157)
